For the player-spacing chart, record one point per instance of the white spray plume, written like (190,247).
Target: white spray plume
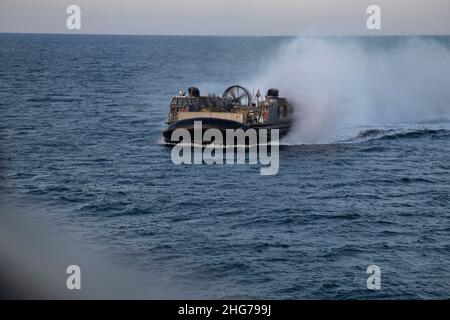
(334,83)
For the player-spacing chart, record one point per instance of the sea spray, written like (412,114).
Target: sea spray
(337,82)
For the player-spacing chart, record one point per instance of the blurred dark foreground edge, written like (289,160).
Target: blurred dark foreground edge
(226,309)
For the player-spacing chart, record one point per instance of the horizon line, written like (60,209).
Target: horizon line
(230,35)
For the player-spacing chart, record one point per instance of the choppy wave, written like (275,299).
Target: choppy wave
(374,133)
(397,134)
(393,134)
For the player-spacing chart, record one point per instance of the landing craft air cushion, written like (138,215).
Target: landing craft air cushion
(236,109)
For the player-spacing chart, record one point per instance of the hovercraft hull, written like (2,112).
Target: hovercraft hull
(220,124)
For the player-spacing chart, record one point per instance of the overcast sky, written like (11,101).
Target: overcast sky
(227,17)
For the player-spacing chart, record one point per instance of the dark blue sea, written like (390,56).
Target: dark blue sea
(81,136)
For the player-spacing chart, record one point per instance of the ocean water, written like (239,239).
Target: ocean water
(81,135)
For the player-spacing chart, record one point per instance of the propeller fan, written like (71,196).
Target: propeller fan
(238,95)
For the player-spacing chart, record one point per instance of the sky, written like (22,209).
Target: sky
(227,17)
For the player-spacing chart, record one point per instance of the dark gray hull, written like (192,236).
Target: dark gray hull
(220,124)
